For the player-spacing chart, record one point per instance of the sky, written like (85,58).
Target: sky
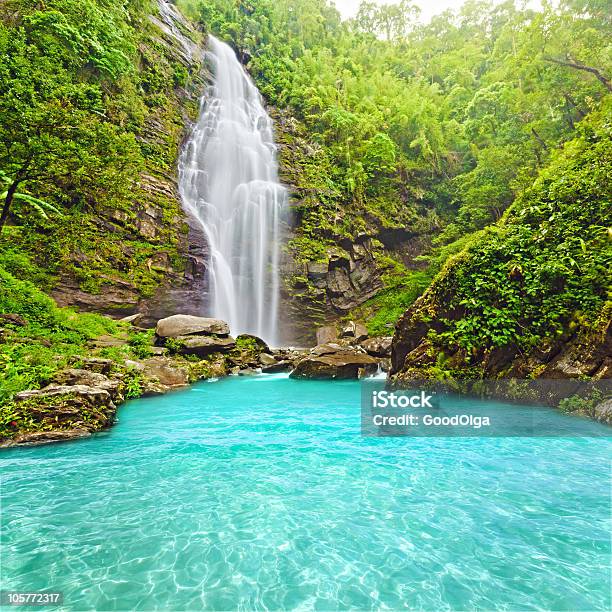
(348,8)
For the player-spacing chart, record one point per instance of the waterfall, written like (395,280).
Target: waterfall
(228,179)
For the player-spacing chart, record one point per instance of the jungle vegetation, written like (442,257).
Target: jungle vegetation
(488,128)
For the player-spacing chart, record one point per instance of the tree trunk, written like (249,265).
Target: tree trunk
(539,139)
(578,65)
(8,200)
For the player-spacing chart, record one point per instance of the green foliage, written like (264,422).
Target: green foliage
(415,126)
(141,343)
(470,105)
(25,299)
(174,345)
(544,271)
(31,354)
(132,383)
(246,343)
(582,404)
(80,84)
(382,311)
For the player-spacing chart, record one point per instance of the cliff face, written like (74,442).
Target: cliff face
(151,258)
(528,297)
(156,254)
(337,255)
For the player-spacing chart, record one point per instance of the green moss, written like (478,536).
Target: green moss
(582,404)
(211,366)
(174,345)
(43,414)
(383,310)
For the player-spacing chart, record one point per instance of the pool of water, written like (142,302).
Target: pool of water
(260,493)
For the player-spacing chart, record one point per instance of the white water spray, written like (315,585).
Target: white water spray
(228,179)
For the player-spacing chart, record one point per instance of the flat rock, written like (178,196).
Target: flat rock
(279,366)
(134,319)
(205,345)
(158,350)
(327,349)
(108,341)
(185,325)
(75,376)
(95,394)
(44,437)
(339,365)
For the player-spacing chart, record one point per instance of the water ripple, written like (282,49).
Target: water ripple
(260,494)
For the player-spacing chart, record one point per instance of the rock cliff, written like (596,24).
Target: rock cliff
(156,253)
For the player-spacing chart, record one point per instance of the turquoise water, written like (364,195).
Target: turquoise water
(260,493)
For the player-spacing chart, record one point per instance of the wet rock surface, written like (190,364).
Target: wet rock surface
(333,361)
(603,412)
(378,347)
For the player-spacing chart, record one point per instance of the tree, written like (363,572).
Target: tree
(392,21)
(53,138)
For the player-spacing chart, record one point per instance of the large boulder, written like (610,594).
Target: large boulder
(266,359)
(378,347)
(162,374)
(334,361)
(327,333)
(186,325)
(258,345)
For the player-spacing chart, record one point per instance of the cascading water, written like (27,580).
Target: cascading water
(228,179)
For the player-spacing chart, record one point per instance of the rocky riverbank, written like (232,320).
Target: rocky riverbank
(83,398)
